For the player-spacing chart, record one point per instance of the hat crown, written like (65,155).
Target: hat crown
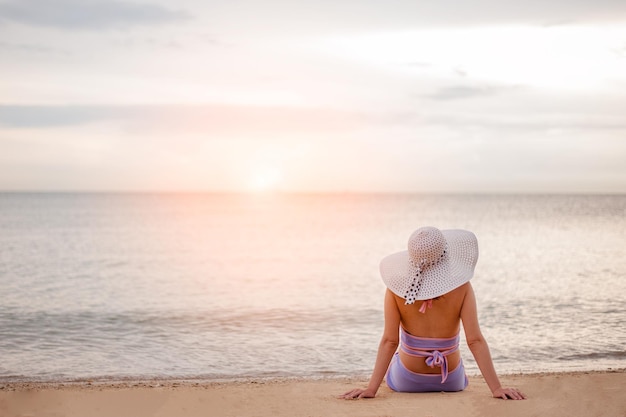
(427,245)
(436,262)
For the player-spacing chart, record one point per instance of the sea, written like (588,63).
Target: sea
(219,287)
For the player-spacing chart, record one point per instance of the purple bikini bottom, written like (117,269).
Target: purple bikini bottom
(402,380)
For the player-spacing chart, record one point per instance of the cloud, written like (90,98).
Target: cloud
(49,116)
(525,124)
(237,119)
(418,64)
(185,118)
(457,92)
(620,52)
(85,14)
(32,48)
(331,16)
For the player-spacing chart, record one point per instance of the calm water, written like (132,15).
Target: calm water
(228,286)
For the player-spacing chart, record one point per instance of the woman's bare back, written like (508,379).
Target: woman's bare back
(441,321)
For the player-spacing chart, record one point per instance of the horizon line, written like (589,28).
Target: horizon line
(317,192)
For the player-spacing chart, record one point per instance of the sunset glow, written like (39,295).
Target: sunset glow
(265,179)
(200,97)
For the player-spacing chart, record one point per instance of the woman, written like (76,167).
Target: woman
(435,271)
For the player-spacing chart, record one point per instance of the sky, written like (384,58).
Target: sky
(313,96)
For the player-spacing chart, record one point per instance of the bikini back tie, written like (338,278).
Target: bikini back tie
(435,350)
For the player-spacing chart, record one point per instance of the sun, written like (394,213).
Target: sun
(265,179)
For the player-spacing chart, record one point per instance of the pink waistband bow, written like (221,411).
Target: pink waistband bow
(434,351)
(438,359)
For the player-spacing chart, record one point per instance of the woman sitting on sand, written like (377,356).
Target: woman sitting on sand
(435,271)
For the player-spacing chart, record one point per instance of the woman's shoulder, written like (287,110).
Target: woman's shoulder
(460,292)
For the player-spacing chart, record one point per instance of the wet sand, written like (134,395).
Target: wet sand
(555,394)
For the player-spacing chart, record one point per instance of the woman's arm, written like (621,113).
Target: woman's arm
(479,348)
(386,349)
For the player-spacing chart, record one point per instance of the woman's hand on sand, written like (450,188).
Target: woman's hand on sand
(509,393)
(358,393)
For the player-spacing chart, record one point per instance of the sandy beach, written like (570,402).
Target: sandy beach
(556,394)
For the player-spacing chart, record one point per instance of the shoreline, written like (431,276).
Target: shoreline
(590,393)
(167,382)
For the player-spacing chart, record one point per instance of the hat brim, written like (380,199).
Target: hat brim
(454,270)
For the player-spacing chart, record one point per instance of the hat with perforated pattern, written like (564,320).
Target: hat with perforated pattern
(436,262)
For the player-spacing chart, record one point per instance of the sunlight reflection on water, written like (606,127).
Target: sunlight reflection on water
(216,286)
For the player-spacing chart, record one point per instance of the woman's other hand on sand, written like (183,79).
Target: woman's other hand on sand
(358,393)
(509,394)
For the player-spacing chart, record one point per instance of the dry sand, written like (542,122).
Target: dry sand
(559,394)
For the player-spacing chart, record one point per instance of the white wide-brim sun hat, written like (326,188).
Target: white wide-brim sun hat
(436,262)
